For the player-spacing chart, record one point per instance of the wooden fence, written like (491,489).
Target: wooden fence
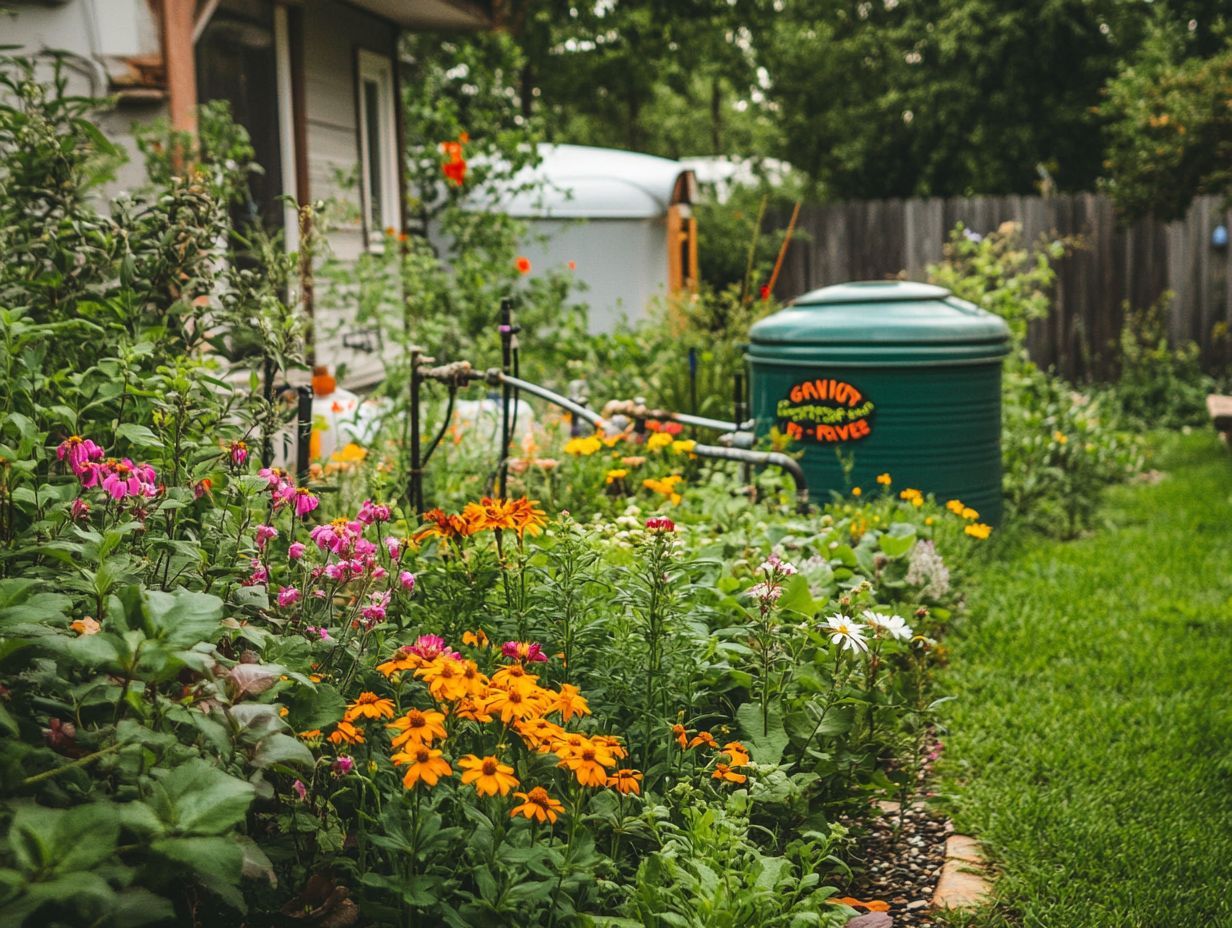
(1116,264)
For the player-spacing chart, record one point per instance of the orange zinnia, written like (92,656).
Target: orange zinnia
(724,772)
(418,727)
(527,518)
(514,704)
(401,662)
(440,525)
(369,706)
(570,702)
(346,733)
(538,733)
(704,737)
(488,774)
(538,806)
(425,765)
(445,679)
(626,781)
(473,709)
(588,763)
(737,752)
(515,677)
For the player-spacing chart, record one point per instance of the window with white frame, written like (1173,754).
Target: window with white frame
(378,148)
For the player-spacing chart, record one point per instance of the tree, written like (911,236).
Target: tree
(1169,115)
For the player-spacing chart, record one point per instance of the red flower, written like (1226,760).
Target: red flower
(454,167)
(765,293)
(573,265)
(523,265)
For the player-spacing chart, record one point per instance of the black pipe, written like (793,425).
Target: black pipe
(506,334)
(741,411)
(267,438)
(303,433)
(414,490)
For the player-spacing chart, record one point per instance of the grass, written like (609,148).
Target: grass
(1090,743)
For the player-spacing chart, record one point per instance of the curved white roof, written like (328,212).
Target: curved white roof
(580,182)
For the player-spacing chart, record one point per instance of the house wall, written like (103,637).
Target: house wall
(332,34)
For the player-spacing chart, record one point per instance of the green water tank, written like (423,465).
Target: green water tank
(900,378)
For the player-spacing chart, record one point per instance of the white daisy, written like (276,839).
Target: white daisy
(846,631)
(895,626)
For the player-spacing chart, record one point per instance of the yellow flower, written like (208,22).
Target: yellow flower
(856,491)
(884,479)
(658,440)
(488,775)
(666,486)
(684,446)
(612,476)
(955,506)
(911,495)
(969,514)
(346,733)
(424,765)
(570,702)
(978,530)
(1060,437)
(583,446)
(350,453)
(476,639)
(538,806)
(369,706)
(514,704)
(587,761)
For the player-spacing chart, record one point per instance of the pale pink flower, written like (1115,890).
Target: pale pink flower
(264,534)
(407,579)
(296,551)
(287,596)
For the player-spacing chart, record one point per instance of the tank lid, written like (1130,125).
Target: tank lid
(915,319)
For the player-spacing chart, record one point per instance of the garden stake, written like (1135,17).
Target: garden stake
(267,440)
(415,476)
(506,334)
(741,411)
(303,433)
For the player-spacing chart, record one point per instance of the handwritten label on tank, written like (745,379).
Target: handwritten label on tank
(826,410)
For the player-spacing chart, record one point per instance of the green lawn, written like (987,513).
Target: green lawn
(1090,743)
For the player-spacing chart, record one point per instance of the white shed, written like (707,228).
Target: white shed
(624,219)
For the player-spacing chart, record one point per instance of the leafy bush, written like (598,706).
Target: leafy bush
(1160,385)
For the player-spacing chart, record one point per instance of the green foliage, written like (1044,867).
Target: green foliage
(1161,385)
(1169,120)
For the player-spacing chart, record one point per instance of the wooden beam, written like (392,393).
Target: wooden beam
(177,26)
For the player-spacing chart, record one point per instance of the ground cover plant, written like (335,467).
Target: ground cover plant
(1089,748)
(285,699)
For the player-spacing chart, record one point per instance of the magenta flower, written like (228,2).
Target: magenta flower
(79,452)
(276,477)
(287,596)
(523,651)
(362,547)
(300,790)
(124,478)
(239,453)
(305,502)
(393,547)
(296,551)
(79,510)
(660,524)
(322,633)
(429,647)
(375,611)
(407,579)
(265,533)
(342,765)
(259,575)
(338,572)
(379,573)
(371,512)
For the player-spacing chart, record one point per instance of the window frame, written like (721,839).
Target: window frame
(377,69)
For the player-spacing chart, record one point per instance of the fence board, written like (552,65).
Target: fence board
(1118,264)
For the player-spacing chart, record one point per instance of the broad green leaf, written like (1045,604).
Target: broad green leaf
(765,742)
(204,800)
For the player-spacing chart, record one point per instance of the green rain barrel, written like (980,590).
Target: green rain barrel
(897,377)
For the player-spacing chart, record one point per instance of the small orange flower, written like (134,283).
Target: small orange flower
(570,702)
(737,752)
(875,905)
(626,781)
(488,775)
(682,736)
(515,704)
(724,772)
(476,639)
(538,806)
(424,765)
(346,733)
(515,677)
(472,709)
(523,265)
(539,733)
(445,678)
(704,737)
(418,727)
(369,706)
(588,763)
(88,626)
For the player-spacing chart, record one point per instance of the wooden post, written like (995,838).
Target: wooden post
(180,63)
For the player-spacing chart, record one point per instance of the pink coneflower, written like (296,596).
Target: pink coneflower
(78,452)
(660,524)
(371,512)
(79,510)
(305,502)
(296,551)
(429,647)
(239,453)
(327,538)
(264,534)
(524,651)
(407,580)
(287,596)
(276,477)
